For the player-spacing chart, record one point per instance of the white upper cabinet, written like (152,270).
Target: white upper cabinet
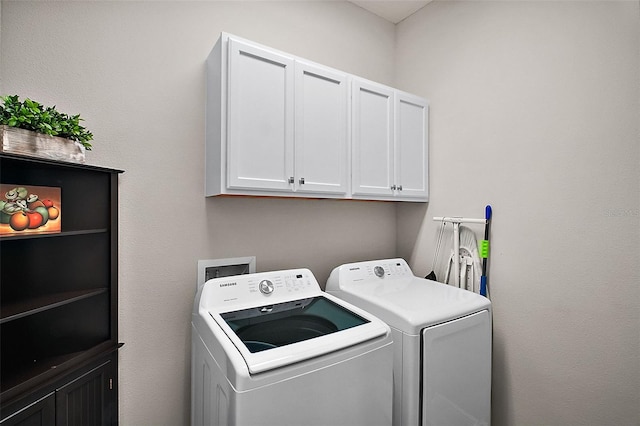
(321,145)
(389,143)
(372,138)
(411,147)
(276,124)
(260,119)
(279,125)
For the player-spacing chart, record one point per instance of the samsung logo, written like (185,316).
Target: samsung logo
(227,284)
(354,269)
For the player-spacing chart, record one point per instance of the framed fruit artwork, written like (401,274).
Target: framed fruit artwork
(29,209)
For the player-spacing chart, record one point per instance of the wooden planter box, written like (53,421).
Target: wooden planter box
(32,144)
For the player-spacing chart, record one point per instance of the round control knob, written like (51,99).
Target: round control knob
(379,271)
(266,287)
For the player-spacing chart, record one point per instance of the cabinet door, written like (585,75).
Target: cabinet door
(411,146)
(89,399)
(40,413)
(260,118)
(372,139)
(321,149)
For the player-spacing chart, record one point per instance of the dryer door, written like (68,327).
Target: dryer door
(456,376)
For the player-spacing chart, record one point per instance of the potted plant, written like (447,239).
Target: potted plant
(29,128)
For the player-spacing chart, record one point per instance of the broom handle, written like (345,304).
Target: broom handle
(483,278)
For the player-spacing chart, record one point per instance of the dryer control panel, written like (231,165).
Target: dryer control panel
(381,269)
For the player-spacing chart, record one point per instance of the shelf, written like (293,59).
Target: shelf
(40,304)
(59,234)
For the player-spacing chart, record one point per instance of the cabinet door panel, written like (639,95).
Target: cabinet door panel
(87,400)
(40,413)
(372,127)
(320,130)
(260,127)
(411,146)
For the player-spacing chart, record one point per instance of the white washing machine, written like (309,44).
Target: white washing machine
(442,341)
(272,348)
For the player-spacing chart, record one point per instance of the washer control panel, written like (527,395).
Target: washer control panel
(282,283)
(263,287)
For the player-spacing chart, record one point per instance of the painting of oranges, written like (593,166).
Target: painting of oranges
(29,209)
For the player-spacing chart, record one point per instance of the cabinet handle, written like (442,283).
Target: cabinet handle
(301,181)
(393,187)
(399,187)
(291,180)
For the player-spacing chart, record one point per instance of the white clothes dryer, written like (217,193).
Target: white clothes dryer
(272,348)
(442,341)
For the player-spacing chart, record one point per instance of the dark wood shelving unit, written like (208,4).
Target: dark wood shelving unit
(59,301)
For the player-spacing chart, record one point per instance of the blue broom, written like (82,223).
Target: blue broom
(484,251)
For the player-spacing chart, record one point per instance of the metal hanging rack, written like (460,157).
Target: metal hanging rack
(456,221)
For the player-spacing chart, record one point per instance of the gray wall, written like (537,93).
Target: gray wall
(534,108)
(135,71)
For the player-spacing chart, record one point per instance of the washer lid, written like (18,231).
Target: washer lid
(399,298)
(273,336)
(282,317)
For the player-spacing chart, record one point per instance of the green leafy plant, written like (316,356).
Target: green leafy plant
(32,115)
